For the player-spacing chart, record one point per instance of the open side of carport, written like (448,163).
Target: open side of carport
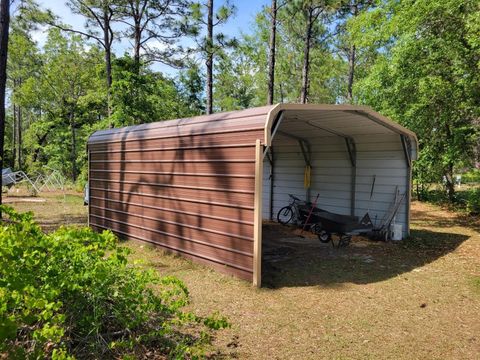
(201,187)
(341,153)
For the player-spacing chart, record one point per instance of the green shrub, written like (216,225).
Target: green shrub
(473,201)
(472,176)
(73,293)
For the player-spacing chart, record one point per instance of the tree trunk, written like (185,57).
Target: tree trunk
(108,58)
(450,184)
(209,61)
(306,58)
(14,134)
(352,58)
(19,138)
(137,34)
(73,150)
(271,57)
(137,47)
(351,72)
(4,26)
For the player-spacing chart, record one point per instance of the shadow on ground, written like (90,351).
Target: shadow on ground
(290,260)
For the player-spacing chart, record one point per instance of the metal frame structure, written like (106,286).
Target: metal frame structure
(195,186)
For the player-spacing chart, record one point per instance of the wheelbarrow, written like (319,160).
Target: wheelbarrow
(324,224)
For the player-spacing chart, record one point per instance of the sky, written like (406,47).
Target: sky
(240,23)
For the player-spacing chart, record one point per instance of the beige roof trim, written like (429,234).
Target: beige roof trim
(361,110)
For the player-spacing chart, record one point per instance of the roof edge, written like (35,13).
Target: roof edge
(361,109)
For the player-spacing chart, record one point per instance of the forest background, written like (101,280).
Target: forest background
(139,61)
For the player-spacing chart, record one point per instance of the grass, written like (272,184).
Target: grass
(51,209)
(417,299)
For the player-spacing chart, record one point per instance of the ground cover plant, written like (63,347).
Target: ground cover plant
(72,293)
(466,199)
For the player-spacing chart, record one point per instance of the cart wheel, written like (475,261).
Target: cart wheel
(324,237)
(344,240)
(285,215)
(386,236)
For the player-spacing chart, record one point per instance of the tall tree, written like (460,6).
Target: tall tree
(248,65)
(209,61)
(66,95)
(155,26)
(271,53)
(22,63)
(99,15)
(4,28)
(141,95)
(211,44)
(350,9)
(311,11)
(234,84)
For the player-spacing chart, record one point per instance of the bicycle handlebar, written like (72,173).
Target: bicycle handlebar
(294,197)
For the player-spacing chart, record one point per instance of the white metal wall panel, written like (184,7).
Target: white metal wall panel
(330,177)
(331,174)
(382,156)
(288,172)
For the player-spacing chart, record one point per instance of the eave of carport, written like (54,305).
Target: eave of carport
(275,112)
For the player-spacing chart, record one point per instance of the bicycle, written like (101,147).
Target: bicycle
(291,212)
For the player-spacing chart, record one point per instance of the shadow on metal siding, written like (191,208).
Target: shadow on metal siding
(191,194)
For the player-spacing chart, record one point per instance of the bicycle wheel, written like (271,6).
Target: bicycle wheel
(285,215)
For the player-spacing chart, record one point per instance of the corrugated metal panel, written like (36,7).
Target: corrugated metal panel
(383,157)
(330,173)
(186,185)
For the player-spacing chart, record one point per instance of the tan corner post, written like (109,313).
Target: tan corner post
(257,221)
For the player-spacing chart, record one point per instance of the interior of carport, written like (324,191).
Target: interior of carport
(353,159)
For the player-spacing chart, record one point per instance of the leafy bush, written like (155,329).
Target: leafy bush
(73,293)
(472,176)
(473,201)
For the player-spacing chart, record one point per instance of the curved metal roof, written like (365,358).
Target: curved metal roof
(343,120)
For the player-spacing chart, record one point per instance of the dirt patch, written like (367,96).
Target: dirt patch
(16,200)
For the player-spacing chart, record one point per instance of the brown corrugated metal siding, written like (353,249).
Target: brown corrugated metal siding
(186,185)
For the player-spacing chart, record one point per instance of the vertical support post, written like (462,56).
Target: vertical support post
(257,214)
(352,153)
(407,149)
(409,197)
(271,160)
(353,179)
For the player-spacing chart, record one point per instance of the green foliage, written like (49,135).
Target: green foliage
(73,293)
(241,79)
(472,176)
(142,96)
(234,84)
(191,85)
(424,75)
(471,200)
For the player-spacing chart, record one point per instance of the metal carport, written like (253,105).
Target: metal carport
(201,187)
